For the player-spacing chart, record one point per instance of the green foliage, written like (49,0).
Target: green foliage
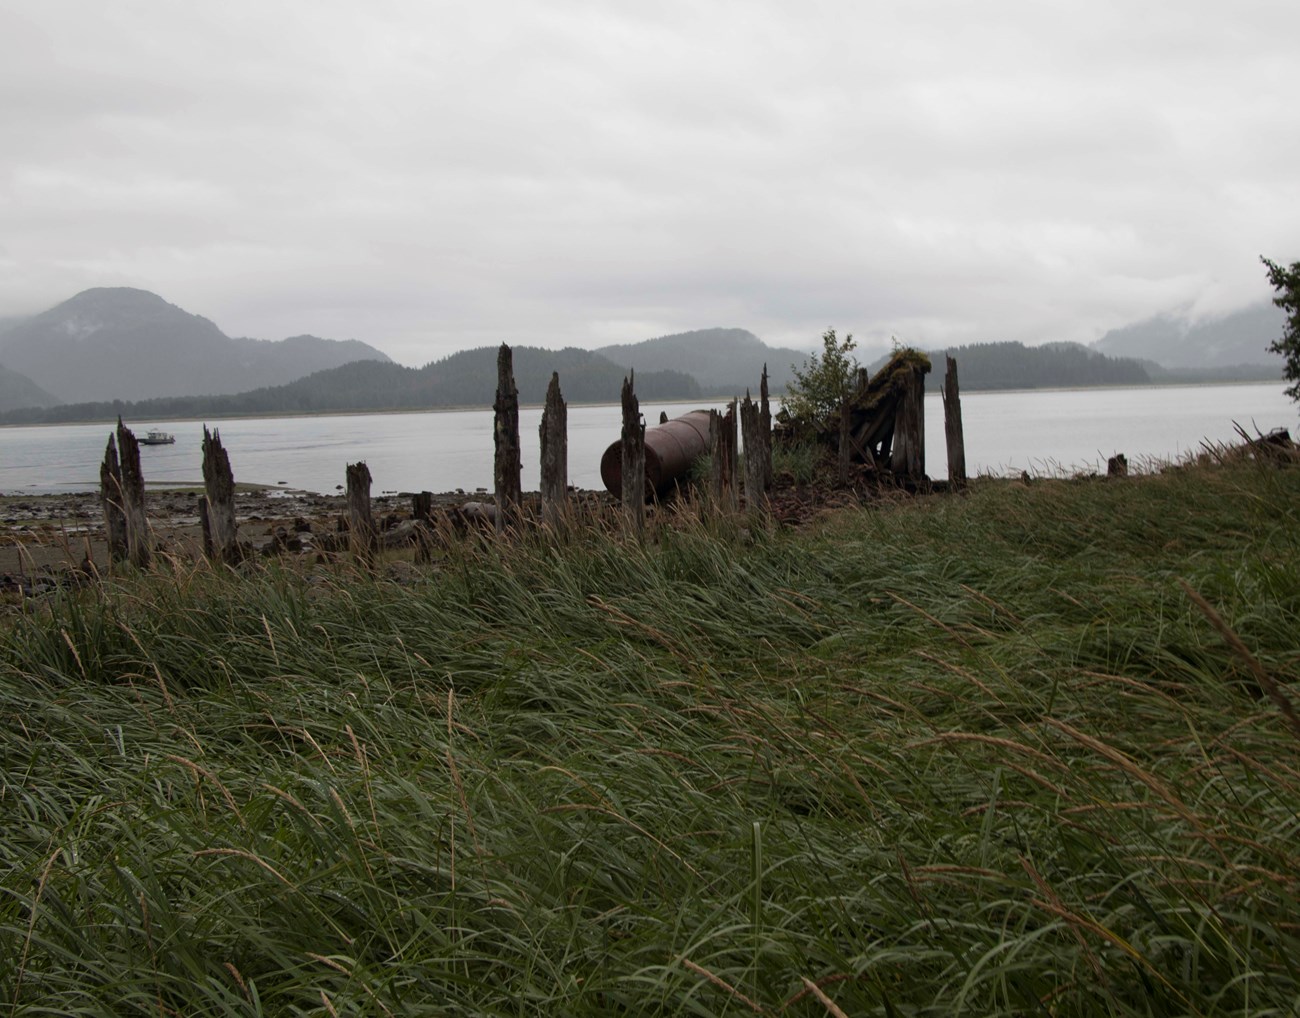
(1287,284)
(813,398)
(801,459)
(1000,763)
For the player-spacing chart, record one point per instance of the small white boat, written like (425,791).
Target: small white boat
(158,438)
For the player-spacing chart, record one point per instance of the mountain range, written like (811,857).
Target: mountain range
(128,344)
(723,361)
(124,351)
(1175,341)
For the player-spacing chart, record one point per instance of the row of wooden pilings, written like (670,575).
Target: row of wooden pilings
(126,523)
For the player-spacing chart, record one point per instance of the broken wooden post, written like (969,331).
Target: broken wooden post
(505,432)
(361,524)
(1117,466)
(765,428)
(220,541)
(844,447)
(731,426)
(952,429)
(137,524)
(751,430)
(908,458)
(422,517)
(205,525)
(554,433)
(633,458)
(110,497)
(717,473)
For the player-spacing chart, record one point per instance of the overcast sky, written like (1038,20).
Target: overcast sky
(432,176)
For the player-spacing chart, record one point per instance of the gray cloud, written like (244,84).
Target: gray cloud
(426,178)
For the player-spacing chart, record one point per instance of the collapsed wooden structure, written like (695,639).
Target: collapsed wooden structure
(881,423)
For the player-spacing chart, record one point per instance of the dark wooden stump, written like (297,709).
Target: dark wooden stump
(554,433)
(220,541)
(952,428)
(765,428)
(205,525)
(137,523)
(717,460)
(1117,466)
(633,462)
(362,538)
(731,430)
(422,517)
(751,430)
(845,445)
(110,497)
(509,495)
(908,456)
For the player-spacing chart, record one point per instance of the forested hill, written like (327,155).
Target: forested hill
(467,378)
(1016,366)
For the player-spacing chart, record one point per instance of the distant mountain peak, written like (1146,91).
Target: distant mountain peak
(125,343)
(722,360)
(1173,339)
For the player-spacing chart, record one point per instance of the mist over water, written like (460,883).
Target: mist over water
(1040,431)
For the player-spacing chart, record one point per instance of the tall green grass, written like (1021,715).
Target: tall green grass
(971,755)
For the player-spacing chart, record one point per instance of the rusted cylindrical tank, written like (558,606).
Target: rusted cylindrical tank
(670,449)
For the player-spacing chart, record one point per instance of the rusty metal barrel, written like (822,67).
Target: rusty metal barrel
(670,449)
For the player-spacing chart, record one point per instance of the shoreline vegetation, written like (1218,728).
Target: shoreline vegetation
(1030,749)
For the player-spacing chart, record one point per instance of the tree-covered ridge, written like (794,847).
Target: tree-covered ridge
(1016,366)
(467,378)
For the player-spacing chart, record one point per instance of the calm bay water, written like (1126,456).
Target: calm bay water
(1006,432)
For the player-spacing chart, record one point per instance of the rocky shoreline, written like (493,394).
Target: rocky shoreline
(46,539)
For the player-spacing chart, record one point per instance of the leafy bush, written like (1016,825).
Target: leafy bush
(813,398)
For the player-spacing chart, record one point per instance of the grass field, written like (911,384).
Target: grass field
(959,755)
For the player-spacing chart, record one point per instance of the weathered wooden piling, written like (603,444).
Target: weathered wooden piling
(751,430)
(765,427)
(633,457)
(422,507)
(220,541)
(554,434)
(845,444)
(717,459)
(110,497)
(908,455)
(731,430)
(952,429)
(362,538)
(1117,465)
(137,523)
(422,517)
(509,495)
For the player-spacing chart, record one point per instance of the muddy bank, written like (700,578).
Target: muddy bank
(40,533)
